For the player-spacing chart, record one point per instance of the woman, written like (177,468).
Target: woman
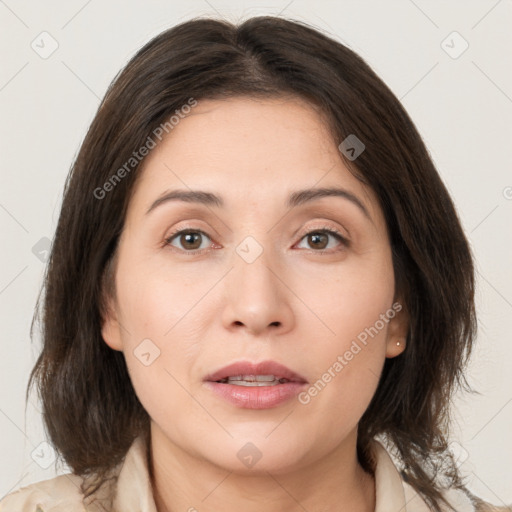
(259,293)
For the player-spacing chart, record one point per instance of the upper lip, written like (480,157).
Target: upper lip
(263,368)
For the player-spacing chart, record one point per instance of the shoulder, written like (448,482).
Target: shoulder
(65,493)
(487,507)
(460,500)
(393,488)
(59,494)
(484,506)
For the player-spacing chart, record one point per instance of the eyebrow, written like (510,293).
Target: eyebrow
(295,199)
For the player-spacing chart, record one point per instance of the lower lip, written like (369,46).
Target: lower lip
(257,397)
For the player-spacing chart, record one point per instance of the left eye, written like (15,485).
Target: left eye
(320,239)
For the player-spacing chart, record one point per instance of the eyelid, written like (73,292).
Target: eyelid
(330,229)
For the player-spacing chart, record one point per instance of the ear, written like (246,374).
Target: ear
(110,325)
(398,329)
(110,328)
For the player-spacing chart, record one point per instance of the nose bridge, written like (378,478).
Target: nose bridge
(256,297)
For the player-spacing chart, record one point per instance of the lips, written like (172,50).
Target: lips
(247,385)
(246,368)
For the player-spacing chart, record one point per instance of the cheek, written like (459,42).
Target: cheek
(349,353)
(156,300)
(346,379)
(158,331)
(346,300)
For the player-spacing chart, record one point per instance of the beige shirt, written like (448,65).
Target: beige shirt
(132,491)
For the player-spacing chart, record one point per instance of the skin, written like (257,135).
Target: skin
(210,309)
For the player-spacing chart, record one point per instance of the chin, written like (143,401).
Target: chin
(254,456)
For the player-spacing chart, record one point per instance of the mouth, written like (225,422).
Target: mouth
(266,373)
(253,380)
(248,385)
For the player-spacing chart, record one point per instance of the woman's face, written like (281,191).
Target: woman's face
(259,277)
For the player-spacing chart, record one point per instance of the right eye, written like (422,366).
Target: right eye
(189,240)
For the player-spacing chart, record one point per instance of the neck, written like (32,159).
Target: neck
(182,481)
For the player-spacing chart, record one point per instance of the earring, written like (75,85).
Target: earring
(398,343)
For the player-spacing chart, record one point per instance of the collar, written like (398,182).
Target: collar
(133,491)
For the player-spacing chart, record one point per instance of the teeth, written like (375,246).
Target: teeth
(253,384)
(253,380)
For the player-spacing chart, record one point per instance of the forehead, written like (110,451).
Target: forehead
(248,150)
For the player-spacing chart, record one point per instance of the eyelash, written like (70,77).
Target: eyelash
(325,230)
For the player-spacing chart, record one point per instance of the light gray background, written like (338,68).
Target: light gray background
(462,107)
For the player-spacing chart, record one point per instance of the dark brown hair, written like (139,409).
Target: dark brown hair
(90,409)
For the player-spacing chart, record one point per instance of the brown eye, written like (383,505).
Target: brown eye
(188,240)
(319,240)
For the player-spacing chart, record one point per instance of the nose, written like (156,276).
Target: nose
(257,298)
